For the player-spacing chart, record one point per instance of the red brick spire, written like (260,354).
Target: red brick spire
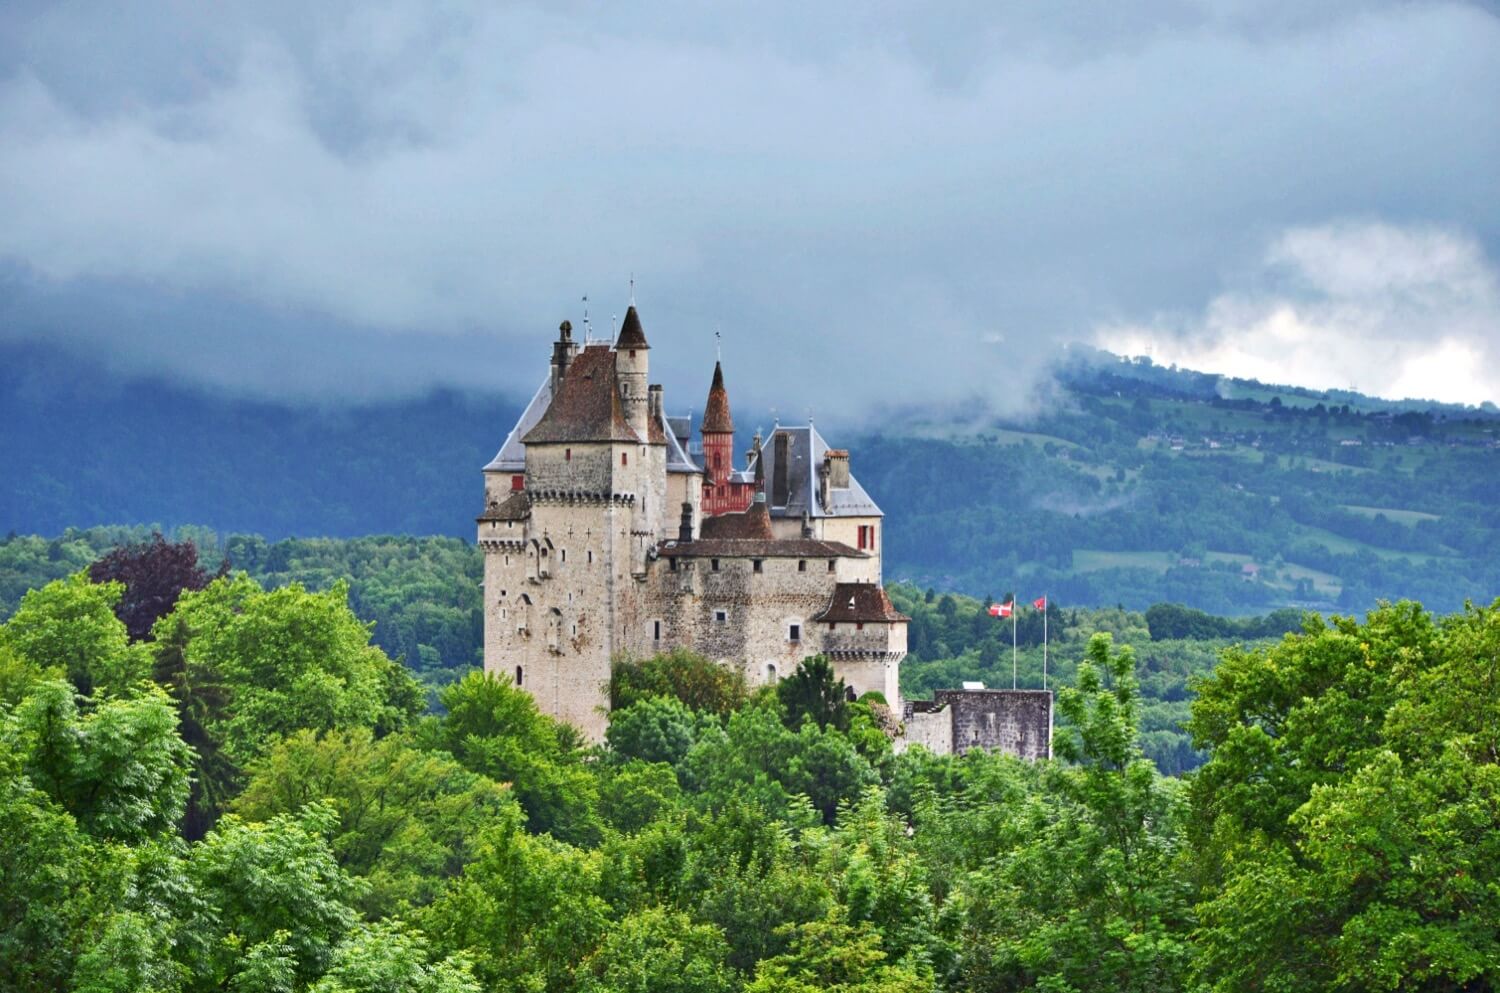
(716,417)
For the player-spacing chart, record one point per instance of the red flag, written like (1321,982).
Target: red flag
(1002,609)
(1040,603)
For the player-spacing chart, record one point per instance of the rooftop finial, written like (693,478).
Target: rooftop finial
(632,289)
(718,346)
(587,328)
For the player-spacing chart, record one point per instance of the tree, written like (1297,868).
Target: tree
(653,729)
(699,683)
(659,951)
(120,768)
(494,729)
(154,573)
(389,958)
(408,818)
(287,659)
(274,901)
(814,692)
(70,625)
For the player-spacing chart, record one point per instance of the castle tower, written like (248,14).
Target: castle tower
(632,368)
(722,493)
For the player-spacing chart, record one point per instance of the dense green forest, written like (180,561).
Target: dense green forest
(251,796)
(1130,484)
(422,597)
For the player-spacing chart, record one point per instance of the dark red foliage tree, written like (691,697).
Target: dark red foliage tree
(155,573)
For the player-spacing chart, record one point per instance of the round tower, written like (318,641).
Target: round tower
(632,370)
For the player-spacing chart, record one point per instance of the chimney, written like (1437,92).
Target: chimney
(837,460)
(563,351)
(654,403)
(780,490)
(685,529)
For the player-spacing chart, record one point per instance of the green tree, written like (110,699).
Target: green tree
(70,624)
(698,682)
(494,729)
(407,818)
(659,951)
(814,693)
(387,957)
(288,659)
(653,729)
(120,767)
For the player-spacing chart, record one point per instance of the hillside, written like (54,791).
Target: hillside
(1135,485)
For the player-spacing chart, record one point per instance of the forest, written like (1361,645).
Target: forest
(422,597)
(207,783)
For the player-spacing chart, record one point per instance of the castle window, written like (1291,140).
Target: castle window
(718,461)
(624,458)
(632,353)
(672,564)
(715,564)
(656,630)
(832,564)
(590,555)
(802,565)
(517,482)
(794,632)
(849,694)
(565,555)
(567,455)
(721,617)
(771,672)
(519,675)
(859,625)
(756,564)
(832,626)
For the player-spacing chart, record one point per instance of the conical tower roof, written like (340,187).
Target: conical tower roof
(716,417)
(631,335)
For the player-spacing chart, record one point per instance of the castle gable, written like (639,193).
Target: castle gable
(512,454)
(587,407)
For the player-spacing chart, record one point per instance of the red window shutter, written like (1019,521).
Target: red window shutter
(517,482)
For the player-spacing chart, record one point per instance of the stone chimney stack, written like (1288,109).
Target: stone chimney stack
(654,403)
(563,352)
(837,460)
(685,528)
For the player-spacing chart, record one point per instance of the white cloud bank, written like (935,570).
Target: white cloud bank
(1399,312)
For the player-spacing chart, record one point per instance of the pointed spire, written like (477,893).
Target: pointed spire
(716,417)
(631,335)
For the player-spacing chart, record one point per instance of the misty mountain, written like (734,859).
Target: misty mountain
(1137,484)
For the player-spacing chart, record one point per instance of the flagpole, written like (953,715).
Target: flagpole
(1045,604)
(1013,662)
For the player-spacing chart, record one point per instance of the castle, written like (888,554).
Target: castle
(608,532)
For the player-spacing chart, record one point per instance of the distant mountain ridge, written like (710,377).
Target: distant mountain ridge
(1142,483)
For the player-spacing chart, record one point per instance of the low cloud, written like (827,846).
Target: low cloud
(875,208)
(1399,312)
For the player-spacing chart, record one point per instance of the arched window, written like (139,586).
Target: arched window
(519,675)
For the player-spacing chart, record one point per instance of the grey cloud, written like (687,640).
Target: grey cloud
(877,206)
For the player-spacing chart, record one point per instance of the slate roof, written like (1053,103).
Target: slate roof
(738,548)
(716,414)
(752,525)
(512,454)
(587,406)
(805,451)
(631,335)
(862,602)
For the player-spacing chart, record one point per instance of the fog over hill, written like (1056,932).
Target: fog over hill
(1133,482)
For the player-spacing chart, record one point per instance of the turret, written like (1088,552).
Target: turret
(632,370)
(718,432)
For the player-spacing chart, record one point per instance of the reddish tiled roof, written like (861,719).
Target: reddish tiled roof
(631,335)
(716,413)
(753,525)
(516,507)
(739,548)
(863,602)
(587,404)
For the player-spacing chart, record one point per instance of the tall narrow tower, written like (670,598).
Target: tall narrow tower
(720,495)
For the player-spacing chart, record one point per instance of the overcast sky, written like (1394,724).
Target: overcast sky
(874,206)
